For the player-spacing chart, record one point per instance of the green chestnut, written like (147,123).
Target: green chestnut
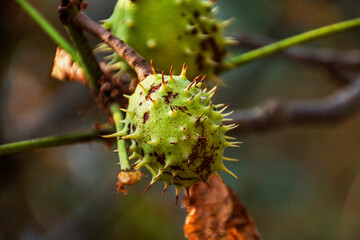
(171,32)
(175,130)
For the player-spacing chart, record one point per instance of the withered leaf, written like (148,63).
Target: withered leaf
(217,213)
(127,178)
(66,69)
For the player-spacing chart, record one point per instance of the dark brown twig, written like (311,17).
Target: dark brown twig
(344,59)
(337,107)
(136,62)
(67,10)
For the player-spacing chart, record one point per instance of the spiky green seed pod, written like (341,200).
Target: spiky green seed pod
(171,31)
(175,130)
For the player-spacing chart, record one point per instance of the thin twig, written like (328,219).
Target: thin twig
(295,40)
(135,61)
(337,107)
(67,10)
(53,141)
(311,55)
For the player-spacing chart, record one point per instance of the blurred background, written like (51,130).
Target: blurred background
(297,182)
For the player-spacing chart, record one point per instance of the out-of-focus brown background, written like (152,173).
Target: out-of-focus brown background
(297,182)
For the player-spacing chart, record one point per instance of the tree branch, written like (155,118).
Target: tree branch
(344,59)
(135,61)
(295,40)
(67,10)
(337,107)
(53,141)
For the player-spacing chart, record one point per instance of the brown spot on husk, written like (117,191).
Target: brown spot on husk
(146,116)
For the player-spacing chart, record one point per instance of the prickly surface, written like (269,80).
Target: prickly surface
(171,31)
(175,130)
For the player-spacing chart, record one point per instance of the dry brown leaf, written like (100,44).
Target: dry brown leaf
(127,178)
(217,214)
(66,69)
(112,86)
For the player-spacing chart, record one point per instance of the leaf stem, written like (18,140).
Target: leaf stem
(122,150)
(53,141)
(295,40)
